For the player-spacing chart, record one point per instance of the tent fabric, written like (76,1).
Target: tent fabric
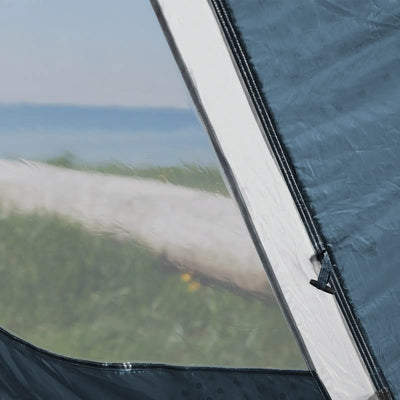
(212,65)
(329,74)
(27,372)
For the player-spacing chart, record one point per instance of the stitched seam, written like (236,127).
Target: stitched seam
(278,149)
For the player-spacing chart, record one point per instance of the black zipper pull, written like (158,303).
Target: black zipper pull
(324,274)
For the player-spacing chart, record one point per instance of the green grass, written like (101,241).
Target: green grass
(203,177)
(95,297)
(92,296)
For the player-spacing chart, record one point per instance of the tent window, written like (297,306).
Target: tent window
(118,238)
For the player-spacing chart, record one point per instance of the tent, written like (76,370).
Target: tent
(300,100)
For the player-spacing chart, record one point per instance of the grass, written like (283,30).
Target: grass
(91,296)
(203,177)
(94,297)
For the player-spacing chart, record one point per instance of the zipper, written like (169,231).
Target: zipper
(222,12)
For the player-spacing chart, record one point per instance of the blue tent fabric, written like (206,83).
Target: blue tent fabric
(27,372)
(329,72)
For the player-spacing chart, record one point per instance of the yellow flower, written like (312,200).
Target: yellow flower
(193,286)
(186,277)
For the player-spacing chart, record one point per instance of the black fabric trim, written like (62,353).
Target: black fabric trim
(224,16)
(28,372)
(139,366)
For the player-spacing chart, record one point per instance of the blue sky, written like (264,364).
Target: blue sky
(91,52)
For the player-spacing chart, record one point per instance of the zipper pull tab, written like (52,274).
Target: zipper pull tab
(324,274)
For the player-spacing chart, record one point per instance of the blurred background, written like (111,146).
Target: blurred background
(118,238)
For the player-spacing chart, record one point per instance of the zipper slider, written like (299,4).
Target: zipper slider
(325,264)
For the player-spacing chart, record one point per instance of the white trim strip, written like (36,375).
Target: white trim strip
(266,197)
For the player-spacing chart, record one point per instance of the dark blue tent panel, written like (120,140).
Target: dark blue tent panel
(329,72)
(27,372)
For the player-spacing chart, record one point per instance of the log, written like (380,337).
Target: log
(195,230)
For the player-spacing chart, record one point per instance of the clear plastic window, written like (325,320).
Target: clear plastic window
(118,238)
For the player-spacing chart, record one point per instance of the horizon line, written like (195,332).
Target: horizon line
(93,106)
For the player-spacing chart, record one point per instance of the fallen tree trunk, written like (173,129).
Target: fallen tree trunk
(199,231)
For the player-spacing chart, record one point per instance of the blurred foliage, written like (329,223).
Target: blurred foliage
(92,296)
(203,177)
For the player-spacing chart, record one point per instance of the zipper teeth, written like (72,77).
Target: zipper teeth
(280,154)
(265,118)
(373,369)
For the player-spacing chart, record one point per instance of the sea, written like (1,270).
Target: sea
(96,135)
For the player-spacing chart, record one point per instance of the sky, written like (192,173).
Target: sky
(86,52)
